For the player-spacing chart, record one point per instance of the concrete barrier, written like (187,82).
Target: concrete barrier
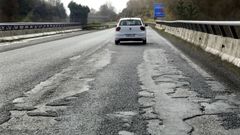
(15,37)
(13,31)
(224,44)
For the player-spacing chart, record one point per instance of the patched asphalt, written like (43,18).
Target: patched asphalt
(111,101)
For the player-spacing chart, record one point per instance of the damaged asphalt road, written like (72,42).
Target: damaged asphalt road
(78,86)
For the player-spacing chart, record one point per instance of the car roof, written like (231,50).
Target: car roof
(130,19)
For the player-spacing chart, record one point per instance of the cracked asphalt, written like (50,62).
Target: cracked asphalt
(86,85)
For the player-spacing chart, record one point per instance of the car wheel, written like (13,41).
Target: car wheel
(117,42)
(144,42)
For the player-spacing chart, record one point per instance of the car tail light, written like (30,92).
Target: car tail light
(118,28)
(142,28)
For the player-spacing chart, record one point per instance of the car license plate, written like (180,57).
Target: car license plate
(130,35)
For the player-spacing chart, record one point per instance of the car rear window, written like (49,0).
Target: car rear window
(130,23)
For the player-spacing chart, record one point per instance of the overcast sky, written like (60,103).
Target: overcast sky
(118,4)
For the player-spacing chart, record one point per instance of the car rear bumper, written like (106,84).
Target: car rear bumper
(131,39)
(136,37)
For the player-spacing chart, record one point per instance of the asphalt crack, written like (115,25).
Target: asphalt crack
(147,111)
(48,113)
(48,99)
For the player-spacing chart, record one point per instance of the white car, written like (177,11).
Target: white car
(130,29)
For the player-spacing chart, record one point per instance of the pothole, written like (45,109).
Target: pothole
(5,116)
(146,94)
(122,115)
(125,133)
(147,102)
(217,107)
(126,119)
(60,102)
(180,97)
(48,113)
(23,108)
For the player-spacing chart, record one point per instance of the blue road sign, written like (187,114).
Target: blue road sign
(159,10)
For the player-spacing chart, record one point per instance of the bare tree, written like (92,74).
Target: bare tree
(108,11)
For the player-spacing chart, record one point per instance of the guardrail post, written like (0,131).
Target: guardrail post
(1,33)
(213,30)
(206,28)
(201,27)
(222,31)
(196,27)
(233,32)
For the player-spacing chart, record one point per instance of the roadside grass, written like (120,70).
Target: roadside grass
(99,26)
(149,20)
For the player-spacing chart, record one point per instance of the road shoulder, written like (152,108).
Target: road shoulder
(7,46)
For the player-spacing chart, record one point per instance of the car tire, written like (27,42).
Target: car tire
(117,42)
(144,42)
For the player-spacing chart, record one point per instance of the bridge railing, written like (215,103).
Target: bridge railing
(32,25)
(221,28)
(221,38)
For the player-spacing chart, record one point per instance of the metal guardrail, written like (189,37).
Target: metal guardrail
(94,26)
(221,28)
(33,25)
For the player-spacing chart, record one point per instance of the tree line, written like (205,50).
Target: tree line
(186,9)
(78,13)
(106,12)
(43,11)
(109,11)
(31,10)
